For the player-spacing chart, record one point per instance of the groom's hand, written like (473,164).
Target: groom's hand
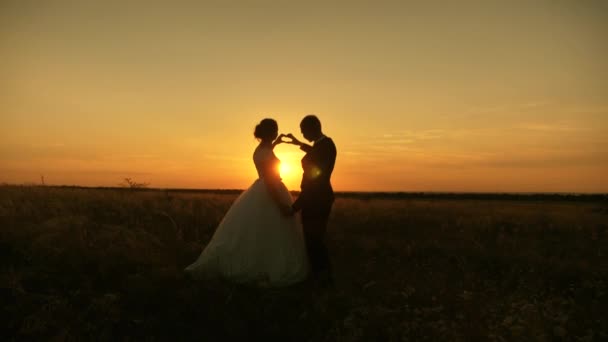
(293,141)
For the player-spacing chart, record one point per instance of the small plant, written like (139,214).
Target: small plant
(128,182)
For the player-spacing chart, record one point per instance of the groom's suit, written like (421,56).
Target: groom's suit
(316,199)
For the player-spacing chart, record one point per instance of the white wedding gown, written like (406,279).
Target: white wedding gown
(254,242)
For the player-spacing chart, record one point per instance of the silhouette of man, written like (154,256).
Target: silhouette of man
(316,196)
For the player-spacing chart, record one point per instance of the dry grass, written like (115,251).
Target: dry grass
(86,264)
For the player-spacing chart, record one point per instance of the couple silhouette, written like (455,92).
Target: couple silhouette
(266,237)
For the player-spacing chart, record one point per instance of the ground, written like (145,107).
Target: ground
(106,264)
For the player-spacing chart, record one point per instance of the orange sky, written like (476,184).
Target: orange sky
(464,96)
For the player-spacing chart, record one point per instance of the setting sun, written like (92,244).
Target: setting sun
(290,175)
(285,169)
(291,172)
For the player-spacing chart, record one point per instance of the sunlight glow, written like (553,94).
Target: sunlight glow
(286,170)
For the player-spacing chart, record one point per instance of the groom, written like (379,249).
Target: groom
(316,195)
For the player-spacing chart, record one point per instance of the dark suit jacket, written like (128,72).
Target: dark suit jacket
(318,164)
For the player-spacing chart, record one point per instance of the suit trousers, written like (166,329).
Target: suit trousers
(314,225)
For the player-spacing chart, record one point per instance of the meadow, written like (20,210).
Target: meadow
(106,265)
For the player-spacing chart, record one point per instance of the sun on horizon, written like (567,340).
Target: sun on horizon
(290,170)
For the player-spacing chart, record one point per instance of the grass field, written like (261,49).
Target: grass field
(93,264)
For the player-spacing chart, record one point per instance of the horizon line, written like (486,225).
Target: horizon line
(388,192)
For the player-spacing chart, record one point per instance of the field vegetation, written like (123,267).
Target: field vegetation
(106,264)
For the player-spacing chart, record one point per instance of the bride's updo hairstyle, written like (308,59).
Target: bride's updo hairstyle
(267,129)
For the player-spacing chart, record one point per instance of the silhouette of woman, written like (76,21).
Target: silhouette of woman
(257,241)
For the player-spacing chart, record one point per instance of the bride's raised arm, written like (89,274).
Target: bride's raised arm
(278,140)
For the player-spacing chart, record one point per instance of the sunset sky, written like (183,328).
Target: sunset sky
(508,96)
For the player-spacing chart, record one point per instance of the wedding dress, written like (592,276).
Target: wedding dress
(255,242)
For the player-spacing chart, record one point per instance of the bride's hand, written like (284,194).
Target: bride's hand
(279,140)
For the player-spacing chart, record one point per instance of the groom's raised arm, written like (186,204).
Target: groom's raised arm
(305,147)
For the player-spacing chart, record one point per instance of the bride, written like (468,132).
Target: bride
(257,240)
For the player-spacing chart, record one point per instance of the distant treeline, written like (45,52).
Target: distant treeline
(478,196)
(376,195)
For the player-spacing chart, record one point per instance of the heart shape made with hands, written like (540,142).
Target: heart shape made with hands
(283,137)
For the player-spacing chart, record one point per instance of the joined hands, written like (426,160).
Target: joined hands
(287,210)
(290,136)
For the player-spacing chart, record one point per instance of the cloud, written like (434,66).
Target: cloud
(508,108)
(405,143)
(412,136)
(552,127)
(388,140)
(596,110)
(224,157)
(547,161)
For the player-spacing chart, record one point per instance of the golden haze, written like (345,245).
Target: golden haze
(464,96)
